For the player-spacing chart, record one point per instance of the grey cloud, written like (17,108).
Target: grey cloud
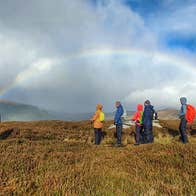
(40,35)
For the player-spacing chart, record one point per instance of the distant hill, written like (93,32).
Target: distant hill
(168,114)
(71,116)
(11,111)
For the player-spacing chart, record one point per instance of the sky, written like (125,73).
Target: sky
(67,56)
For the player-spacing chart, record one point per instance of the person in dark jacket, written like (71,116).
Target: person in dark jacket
(147,120)
(183,122)
(118,122)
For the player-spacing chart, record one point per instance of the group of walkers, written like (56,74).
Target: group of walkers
(143,118)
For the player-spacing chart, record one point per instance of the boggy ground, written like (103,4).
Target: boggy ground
(59,158)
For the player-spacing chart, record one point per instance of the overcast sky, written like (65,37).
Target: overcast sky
(68,55)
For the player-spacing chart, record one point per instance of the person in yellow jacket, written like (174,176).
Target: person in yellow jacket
(97,121)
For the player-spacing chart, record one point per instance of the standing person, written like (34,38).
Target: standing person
(183,122)
(118,122)
(97,120)
(138,124)
(147,120)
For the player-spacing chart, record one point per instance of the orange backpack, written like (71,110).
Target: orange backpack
(190,114)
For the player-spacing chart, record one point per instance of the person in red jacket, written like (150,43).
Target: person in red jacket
(137,117)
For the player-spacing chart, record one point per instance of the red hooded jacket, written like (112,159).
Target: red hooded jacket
(137,117)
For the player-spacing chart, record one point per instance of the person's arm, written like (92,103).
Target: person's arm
(182,111)
(144,115)
(122,111)
(95,116)
(116,118)
(155,114)
(135,116)
(118,114)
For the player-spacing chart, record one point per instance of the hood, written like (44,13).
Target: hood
(147,102)
(139,107)
(183,100)
(99,107)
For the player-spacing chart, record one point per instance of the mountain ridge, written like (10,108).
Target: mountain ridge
(15,111)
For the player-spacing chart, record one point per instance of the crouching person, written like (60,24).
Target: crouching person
(98,120)
(138,124)
(118,122)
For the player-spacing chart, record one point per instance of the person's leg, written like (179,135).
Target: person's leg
(119,133)
(184,131)
(148,133)
(96,136)
(137,128)
(141,135)
(100,135)
(151,134)
(182,128)
(145,134)
(121,127)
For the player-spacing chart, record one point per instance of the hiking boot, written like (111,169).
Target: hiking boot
(118,145)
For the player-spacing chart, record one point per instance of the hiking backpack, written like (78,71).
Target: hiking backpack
(101,117)
(190,114)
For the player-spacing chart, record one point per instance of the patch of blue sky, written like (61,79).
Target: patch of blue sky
(179,42)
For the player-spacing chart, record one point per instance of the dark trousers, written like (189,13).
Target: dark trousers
(139,134)
(148,134)
(119,133)
(98,134)
(182,129)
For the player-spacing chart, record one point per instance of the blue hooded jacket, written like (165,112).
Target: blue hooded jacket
(183,109)
(148,115)
(118,115)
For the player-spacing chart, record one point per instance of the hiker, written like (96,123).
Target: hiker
(147,120)
(183,122)
(97,120)
(138,124)
(118,122)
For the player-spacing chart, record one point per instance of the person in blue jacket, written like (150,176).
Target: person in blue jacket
(118,122)
(148,122)
(183,122)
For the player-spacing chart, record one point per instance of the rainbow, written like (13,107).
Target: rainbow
(163,57)
(100,52)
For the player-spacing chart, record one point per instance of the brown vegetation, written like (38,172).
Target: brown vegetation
(59,158)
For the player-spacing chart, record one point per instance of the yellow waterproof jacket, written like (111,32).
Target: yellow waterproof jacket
(96,118)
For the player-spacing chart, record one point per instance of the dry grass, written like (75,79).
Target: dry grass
(58,158)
